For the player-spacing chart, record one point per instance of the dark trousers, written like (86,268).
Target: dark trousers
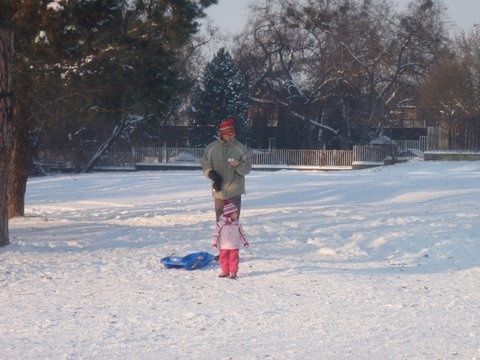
(237,200)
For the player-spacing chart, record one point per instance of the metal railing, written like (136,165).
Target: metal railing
(420,144)
(306,158)
(149,157)
(372,154)
(319,159)
(165,155)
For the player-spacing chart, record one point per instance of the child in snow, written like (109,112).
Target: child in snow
(228,238)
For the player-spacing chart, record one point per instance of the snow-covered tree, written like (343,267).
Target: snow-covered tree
(220,94)
(98,65)
(134,76)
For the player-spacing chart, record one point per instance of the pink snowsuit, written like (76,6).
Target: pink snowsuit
(229,238)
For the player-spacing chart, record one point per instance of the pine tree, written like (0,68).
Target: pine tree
(94,65)
(221,93)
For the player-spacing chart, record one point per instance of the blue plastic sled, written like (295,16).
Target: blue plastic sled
(190,262)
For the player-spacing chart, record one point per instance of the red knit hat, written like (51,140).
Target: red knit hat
(229,208)
(226,127)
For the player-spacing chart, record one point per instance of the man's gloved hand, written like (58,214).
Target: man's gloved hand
(217,186)
(217,180)
(246,244)
(214,176)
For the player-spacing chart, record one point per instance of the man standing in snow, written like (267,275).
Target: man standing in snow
(226,162)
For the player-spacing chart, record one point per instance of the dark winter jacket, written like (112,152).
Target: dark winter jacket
(216,157)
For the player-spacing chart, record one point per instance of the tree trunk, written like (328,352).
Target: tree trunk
(6,70)
(117,131)
(127,122)
(19,168)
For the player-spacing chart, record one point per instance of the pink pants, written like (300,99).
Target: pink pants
(229,260)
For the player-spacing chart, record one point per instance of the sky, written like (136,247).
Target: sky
(372,264)
(231,15)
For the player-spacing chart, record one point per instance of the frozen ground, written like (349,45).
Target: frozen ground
(380,263)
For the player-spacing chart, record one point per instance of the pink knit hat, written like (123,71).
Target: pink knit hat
(229,208)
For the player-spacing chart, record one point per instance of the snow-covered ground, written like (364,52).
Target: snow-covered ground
(380,263)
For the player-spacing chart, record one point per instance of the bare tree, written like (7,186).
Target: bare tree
(341,66)
(450,96)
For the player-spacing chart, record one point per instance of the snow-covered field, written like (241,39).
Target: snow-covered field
(382,263)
